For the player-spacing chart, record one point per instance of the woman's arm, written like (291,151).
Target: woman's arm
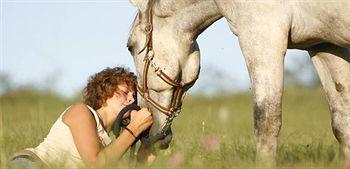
(113,152)
(83,128)
(139,122)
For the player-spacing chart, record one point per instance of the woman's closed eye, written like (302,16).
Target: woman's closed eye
(122,93)
(127,94)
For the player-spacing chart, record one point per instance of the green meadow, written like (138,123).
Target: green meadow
(211,131)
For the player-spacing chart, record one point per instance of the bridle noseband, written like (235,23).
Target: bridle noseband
(176,103)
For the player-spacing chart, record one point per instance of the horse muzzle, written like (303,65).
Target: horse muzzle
(159,140)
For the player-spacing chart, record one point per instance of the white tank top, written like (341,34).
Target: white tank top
(59,145)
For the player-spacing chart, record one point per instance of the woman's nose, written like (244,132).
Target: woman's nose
(130,99)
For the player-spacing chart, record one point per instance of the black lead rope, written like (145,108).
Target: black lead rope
(144,136)
(119,122)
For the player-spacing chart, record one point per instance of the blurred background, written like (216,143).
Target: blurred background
(49,48)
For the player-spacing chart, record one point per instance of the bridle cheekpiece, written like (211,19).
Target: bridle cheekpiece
(176,103)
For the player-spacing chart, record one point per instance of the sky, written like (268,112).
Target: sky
(60,43)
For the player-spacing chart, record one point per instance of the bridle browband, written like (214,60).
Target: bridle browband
(176,103)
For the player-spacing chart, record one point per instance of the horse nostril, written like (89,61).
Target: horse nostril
(130,49)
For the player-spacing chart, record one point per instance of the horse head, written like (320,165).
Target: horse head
(167,63)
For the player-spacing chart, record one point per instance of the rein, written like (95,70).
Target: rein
(176,103)
(118,124)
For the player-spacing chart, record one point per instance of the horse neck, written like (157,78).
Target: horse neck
(199,16)
(194,16)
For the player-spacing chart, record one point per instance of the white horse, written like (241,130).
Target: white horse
(164,36)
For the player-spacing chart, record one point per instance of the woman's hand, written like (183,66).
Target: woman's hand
(140,121)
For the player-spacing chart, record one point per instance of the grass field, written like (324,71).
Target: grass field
(211,132)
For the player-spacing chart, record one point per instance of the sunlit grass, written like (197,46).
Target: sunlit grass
(211,132)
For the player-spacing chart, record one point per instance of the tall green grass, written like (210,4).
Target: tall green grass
(211,132)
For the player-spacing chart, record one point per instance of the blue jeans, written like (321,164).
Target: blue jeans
(23,163)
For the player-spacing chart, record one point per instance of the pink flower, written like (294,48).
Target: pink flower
(212,142)
(176,159)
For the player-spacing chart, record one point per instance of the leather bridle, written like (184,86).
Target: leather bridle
(180,87)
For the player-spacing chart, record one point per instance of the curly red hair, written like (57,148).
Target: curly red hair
(104,84)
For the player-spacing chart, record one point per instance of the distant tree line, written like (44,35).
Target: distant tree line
(301,74)
(9,87)
(212,80)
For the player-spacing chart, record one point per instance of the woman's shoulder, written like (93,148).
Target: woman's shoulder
(79,106)
(77,112)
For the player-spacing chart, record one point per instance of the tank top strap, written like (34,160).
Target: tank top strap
(101,132)
(95,116)
(65,111)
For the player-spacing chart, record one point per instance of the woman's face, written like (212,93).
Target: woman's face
(121,98)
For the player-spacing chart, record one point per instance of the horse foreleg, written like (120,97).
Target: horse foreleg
(264,55)
(333,66)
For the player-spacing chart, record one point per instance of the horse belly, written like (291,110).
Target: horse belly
(307,40)
(313,24)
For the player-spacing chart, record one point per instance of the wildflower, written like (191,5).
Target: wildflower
(176,159)
(212,142)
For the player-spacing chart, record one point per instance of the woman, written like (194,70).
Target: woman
(79,137)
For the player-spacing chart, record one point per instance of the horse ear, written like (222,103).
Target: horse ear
(142,5)
(134,2)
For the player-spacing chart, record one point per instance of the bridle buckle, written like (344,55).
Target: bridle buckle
(148,28)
